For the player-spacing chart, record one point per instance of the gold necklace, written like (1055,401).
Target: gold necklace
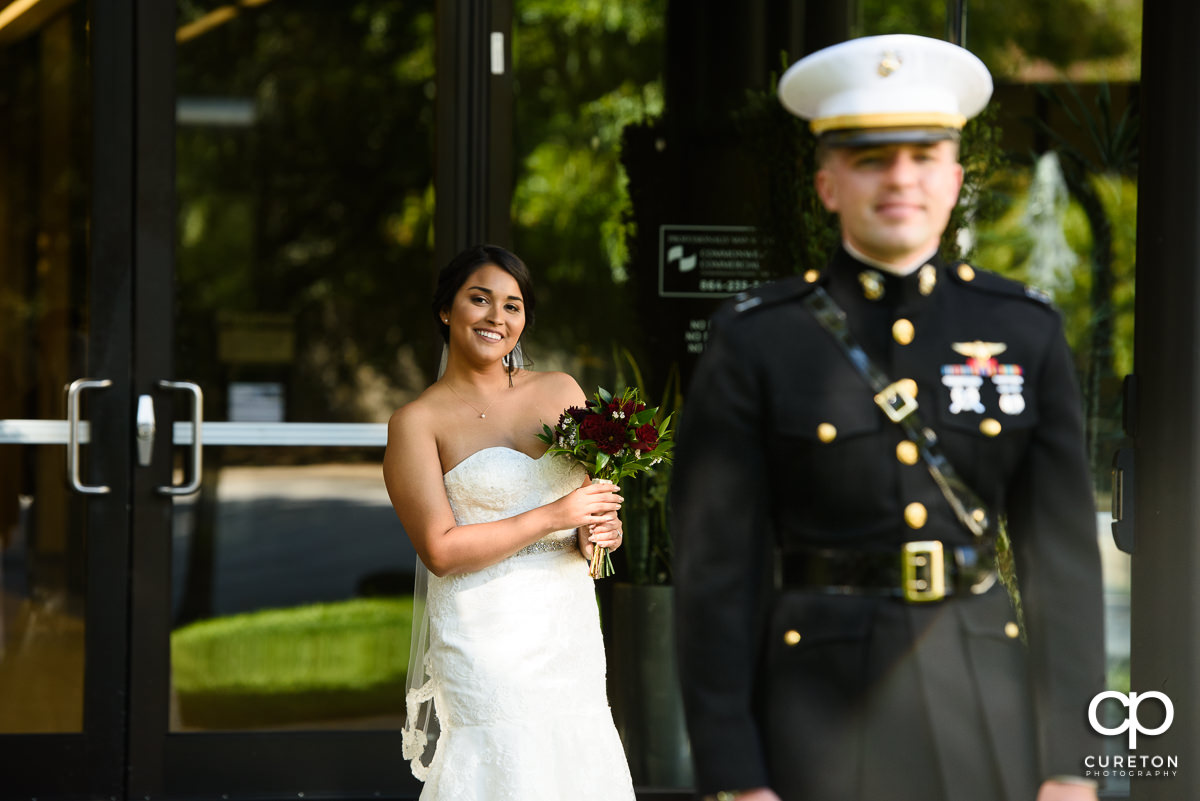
(483,412)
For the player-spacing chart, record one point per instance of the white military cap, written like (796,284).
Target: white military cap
(892,88)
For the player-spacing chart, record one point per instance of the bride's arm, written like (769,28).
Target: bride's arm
(412,472)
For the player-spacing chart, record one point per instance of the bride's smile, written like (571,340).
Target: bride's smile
(489,311)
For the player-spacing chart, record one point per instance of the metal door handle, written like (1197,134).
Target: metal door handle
(73,392)
(197,394)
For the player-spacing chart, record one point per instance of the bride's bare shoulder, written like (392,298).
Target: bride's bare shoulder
(554,388)
(418,414)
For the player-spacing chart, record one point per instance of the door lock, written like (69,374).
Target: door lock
(145,429)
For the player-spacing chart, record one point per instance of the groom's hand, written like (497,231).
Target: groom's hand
(1062,791)
(757,794)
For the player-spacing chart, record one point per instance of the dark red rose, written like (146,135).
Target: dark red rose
(577,413)
(590,427)
(609,435)
(646,438)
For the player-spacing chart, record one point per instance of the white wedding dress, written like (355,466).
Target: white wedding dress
(515,658)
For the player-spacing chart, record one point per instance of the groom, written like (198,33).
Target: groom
(850,442)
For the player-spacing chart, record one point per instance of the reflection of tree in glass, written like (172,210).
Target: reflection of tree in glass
(1022,36)
(583,70)
(320,209)
(1093,171)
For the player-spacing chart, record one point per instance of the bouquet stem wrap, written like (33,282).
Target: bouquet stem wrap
(601,565)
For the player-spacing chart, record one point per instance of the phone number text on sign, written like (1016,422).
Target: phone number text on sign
(713,286)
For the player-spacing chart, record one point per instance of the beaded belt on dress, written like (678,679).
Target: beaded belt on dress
(548,545)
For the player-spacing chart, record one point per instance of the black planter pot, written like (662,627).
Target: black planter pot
(646,700)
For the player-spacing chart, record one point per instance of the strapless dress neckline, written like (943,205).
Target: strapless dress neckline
(485,450)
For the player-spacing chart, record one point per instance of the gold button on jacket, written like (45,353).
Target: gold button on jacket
(908,452)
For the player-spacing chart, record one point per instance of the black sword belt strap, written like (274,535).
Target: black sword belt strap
(901,408)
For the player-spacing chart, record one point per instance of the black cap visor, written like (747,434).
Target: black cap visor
(867,137)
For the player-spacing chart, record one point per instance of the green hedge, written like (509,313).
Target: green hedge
(281,666)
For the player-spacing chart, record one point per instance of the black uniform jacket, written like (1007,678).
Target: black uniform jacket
(781,447)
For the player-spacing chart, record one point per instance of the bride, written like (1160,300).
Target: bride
(506,677)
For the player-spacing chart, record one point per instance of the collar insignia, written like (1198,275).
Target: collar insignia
(872,284)
(927,279)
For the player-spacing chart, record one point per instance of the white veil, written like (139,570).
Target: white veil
(421,728)
(420,722)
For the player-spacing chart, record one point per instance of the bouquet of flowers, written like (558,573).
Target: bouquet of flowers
(612,437)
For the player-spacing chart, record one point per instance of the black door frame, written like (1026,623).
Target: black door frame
(473,192)
(90,764)
(474,169)
(1160,414)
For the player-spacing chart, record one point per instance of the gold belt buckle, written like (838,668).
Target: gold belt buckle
(895,402)
(923,571)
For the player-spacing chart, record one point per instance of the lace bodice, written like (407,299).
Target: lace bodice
(499,482)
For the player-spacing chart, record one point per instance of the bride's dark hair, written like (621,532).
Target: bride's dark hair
(455,274)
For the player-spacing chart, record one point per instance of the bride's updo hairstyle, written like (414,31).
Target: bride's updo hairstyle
(461,267)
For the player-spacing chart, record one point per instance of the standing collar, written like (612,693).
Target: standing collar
(870,282)
(891,269)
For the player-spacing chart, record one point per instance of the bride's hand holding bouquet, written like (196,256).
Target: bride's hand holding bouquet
(612,437)
(594,506)
(609,532)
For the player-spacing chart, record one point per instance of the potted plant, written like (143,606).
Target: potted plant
(646,699)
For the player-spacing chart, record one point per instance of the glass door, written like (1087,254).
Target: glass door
(64,454)
(283,321)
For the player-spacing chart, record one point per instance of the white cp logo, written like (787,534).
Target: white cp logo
(1131,721)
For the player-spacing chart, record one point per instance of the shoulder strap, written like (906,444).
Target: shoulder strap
(901,408)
